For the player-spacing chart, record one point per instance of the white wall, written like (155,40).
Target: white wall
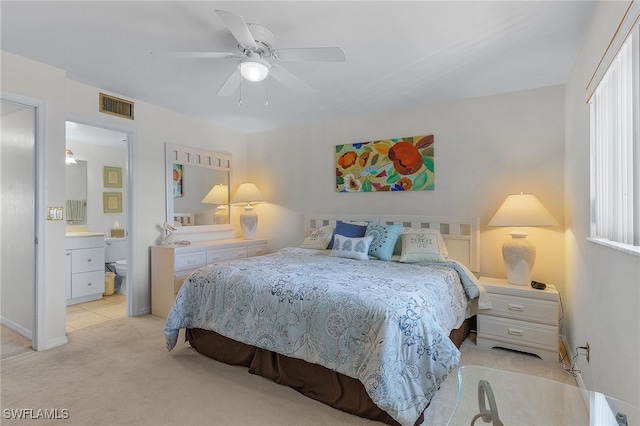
(485,149)
(17,172)
(602,292)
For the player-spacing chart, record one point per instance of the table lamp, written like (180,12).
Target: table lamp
(519,254)
(248,194)
(219,195)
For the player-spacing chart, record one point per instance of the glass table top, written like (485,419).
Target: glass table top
(498,397)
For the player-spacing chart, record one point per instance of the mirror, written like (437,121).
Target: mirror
(76,193)
(197,183)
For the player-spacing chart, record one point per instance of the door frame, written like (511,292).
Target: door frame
(39,107)
(129,203)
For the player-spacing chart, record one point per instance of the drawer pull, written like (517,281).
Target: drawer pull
(88,260)
(240,254)
(88,283)
(515,332)
(215,258)
(191,261)
(259,251)
(514,307)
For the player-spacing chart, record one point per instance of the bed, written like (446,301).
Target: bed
(370,337)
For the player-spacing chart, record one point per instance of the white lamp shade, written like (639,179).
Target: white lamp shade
(247,193)
(522,210)
(219,194)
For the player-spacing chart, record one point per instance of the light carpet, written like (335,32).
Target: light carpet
(119,373)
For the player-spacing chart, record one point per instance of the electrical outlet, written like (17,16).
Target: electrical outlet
(587,351)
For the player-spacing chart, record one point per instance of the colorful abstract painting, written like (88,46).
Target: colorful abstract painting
(404,164)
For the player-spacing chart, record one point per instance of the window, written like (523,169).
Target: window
(615,147)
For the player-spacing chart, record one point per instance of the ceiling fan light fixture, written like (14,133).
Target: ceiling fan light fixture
(254,69)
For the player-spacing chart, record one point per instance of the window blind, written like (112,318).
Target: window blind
(612,151)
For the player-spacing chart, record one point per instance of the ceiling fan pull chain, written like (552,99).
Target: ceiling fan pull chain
(266,103)
(240,100)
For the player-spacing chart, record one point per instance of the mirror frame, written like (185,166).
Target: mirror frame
(199,158)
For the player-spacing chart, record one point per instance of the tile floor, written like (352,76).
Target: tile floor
(79,316)
(87,314)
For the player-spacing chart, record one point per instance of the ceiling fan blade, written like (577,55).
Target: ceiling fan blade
(231,84)
(318,54)
(198,55)
(290,80)
(238,28)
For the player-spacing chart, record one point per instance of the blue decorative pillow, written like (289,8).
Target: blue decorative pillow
(384,239)
(346,229)
(351,248)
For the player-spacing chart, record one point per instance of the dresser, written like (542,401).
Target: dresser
(85,268)
(521,318)
(172,264)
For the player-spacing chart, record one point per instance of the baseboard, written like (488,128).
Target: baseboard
(17,328)
(144,311)
(56,342)
(570,354)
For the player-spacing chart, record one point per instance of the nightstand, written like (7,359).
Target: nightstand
(522,318)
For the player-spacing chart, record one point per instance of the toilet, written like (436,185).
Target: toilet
(115,257)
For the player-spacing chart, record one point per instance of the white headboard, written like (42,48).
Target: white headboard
(460,234)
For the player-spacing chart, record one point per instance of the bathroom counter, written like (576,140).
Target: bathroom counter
(85,234)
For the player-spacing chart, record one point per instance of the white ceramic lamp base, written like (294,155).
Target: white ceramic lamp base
(248,223)
(518,255)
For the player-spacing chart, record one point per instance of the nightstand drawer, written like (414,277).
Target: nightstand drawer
(519,332)
(520,308)
(214,256)
(184,262)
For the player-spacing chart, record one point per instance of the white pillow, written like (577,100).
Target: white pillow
(351,248)
(406,230)
(418,247)
(319,239)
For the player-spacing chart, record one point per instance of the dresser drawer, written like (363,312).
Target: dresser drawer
(258,250)
(187,261)
(519,332)
(85,260)
(87,283)
(526,309)
(214,256)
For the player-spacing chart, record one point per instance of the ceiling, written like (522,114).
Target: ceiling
(399,54)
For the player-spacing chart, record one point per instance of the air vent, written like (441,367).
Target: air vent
(116,106)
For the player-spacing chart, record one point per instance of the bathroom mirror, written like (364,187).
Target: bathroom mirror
(191,174)
(76,193)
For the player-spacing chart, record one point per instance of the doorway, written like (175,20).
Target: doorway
(18,221)
(99,149)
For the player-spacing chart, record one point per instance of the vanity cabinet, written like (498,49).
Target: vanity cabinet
(172,264)
(85,268)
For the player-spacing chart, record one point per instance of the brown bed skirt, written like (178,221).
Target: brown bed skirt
(312,380)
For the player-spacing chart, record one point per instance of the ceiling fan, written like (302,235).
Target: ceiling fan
(257,56)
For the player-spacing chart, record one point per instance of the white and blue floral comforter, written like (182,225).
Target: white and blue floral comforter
(383,323)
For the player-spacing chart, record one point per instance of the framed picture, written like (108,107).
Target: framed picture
(177,181)
(402,164)
(112,202)
(112,177)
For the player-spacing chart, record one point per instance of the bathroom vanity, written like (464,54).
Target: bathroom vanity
(85,266)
